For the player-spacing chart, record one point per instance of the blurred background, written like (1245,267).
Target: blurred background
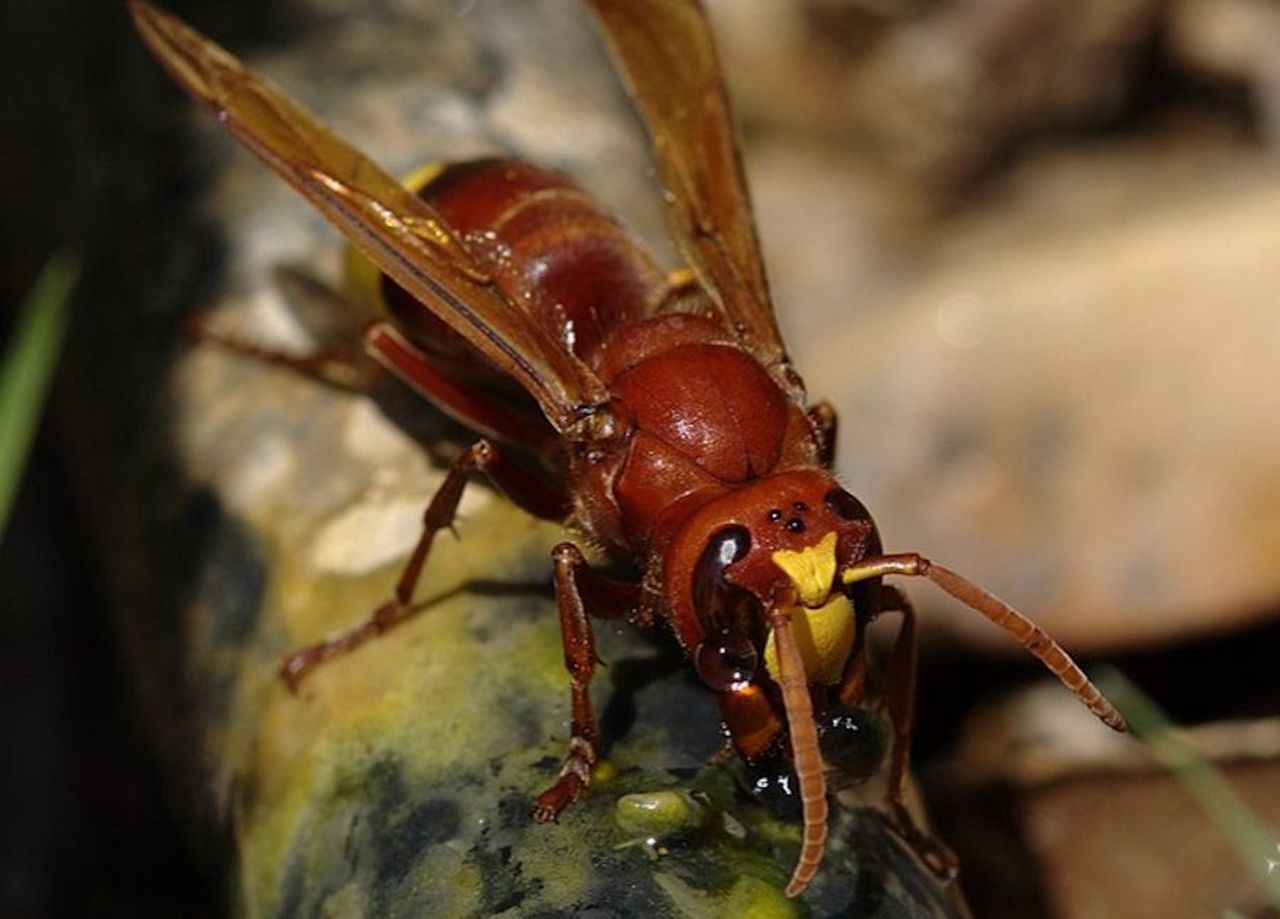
(1027,248)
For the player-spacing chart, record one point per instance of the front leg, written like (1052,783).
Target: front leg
(577,585)
(899,700)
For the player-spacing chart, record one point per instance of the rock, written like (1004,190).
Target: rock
(937,93)
(1102,821)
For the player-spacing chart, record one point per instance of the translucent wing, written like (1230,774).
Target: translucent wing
(664,50)
(399,232)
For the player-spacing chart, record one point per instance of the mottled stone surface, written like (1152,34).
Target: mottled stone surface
(399,779)
(936,93)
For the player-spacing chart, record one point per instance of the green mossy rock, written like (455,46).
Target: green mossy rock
(398,781)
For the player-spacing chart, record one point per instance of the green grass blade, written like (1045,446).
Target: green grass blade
(1254,842)
(28,367)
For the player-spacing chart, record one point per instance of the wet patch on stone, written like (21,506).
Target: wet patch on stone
(503,885)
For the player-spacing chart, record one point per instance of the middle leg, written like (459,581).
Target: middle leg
(579,587)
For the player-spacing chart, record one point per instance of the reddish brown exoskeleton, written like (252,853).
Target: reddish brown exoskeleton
(655,415)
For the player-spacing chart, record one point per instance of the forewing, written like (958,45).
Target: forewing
(664,51)
(398,231)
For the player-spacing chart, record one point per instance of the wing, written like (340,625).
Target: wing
(399,232)
(664,51)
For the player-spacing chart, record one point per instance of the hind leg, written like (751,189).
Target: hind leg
(481,457)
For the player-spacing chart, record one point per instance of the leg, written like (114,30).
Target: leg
(328,318)
(481,456)
(900,689)
(899,699)
(343,368)
(1028,634)
(822,415)
(577,587)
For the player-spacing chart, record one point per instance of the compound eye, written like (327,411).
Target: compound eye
(709,587)
(845,505)
(725,661)
(726,547)
(730,615)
